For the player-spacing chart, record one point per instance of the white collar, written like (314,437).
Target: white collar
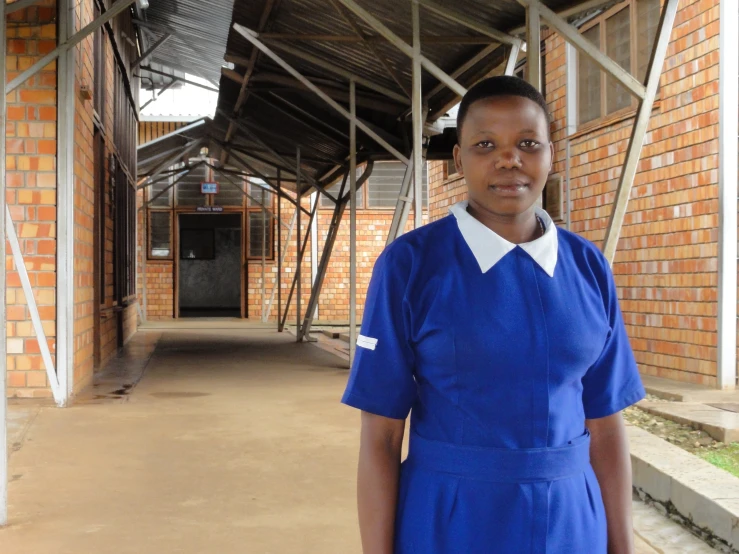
(489,248)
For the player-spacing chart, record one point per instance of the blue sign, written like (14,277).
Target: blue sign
(209,188)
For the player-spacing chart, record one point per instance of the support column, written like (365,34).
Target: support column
(3,324)
(533,45)
(65,204)
(353,222)
(314,248)
(728,189)
(279,254)
(418,119)
(299,251)
(644,112)
(264,263)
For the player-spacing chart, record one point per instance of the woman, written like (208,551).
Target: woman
(502,336)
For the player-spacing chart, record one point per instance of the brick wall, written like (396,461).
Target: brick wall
(666,264)
(372,230)
(84,208)
(31,132)
(31,194)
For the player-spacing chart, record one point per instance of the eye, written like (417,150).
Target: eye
(485,144)
(529,143)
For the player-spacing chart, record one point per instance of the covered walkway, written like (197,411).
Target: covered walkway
(231,441)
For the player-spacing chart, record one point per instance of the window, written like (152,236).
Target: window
(450,169)
(382,188)
(160,235)
(261,224)
(626,33)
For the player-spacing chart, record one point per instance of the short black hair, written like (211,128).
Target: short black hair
(502,85)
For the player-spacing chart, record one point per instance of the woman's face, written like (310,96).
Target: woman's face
(505,154)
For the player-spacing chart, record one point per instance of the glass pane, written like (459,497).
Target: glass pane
(188,189)
(588,81)
(161,235)
(228,193)
(259,222)
(384,184)
(336,188)
(648,12)
(618,48)
(260,194)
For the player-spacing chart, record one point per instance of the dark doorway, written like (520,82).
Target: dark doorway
(210,262)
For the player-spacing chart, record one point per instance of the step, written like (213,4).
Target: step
(703,495)
(687,392)
(721,424)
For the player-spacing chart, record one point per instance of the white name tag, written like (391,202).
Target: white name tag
(366,342)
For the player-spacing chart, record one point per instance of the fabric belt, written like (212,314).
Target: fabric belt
(501,465)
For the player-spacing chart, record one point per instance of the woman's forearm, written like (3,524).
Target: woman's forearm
(377,483)
(609,453)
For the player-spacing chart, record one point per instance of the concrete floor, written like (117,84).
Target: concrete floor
(234,441)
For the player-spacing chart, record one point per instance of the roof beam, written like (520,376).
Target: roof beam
(297,119)
(372,39)
(469,22)
(584,46)
(469,64)
(155,96)
(150,51)
(186,40)
(19,5)
(333,68)
(189,147)
(249,35)
(189,127)
(370,46)
(332,90)
(312,117)
(577,9)
(186,81)
(403,46)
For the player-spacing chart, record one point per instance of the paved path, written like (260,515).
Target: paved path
(233,442)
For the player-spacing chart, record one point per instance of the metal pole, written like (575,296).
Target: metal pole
(3,324)
(264,263)
(299,251)
(641,124)
(533,45)
(353,222)
(728,187)
(314,247)
(512,59)
(405,196)
(65,202)
(328,248)
(281,263)
(417,119)
(572,35)
(279,257)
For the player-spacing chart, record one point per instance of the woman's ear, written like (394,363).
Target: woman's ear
(551,157)
(456,153)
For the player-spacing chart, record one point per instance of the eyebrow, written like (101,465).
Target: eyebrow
(489,132)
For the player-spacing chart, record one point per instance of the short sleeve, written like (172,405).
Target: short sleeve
(381,379)
(613,382)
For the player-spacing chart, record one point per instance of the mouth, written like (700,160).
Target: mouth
(514,188)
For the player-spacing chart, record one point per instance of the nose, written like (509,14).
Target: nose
(508,159)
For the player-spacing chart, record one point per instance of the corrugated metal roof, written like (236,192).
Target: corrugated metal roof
(199,34)
(275,114)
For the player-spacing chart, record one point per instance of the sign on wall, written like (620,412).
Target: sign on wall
(208,187)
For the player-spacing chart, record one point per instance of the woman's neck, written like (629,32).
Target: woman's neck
(516,229)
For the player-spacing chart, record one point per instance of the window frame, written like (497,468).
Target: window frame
(149,228)
(363,195)
(602,19)
(270,226)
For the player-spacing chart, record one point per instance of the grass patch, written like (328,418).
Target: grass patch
(725,457)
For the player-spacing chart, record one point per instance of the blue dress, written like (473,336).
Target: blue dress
(499,352)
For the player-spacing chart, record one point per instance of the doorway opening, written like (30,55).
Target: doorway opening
(210,260)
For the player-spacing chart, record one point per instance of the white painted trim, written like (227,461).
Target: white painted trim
(727,159)
(571,61)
